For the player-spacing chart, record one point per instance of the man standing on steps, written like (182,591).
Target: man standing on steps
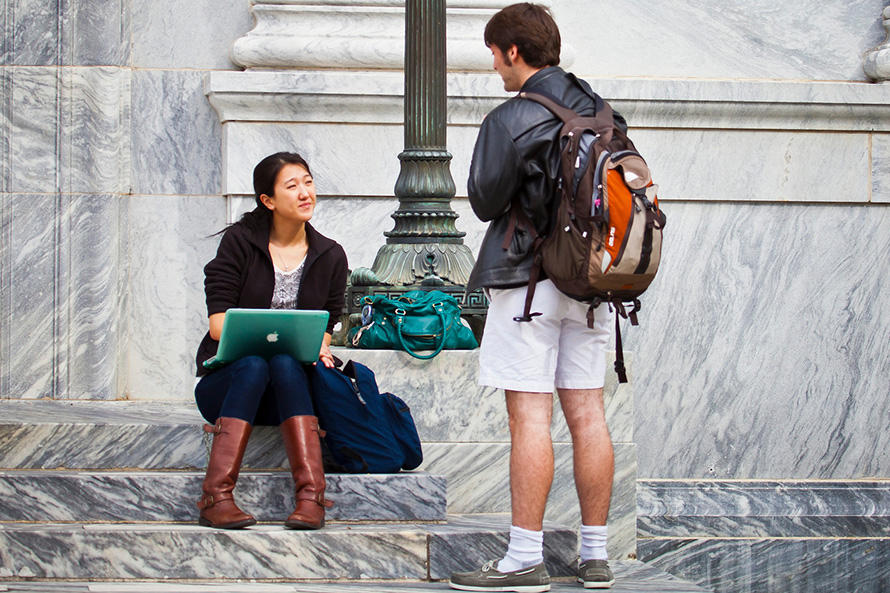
(515,166)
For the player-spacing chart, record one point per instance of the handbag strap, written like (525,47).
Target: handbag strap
(441,311)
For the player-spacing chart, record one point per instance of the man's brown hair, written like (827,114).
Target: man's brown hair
(531,28)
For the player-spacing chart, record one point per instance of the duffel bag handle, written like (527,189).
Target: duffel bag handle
(440,310)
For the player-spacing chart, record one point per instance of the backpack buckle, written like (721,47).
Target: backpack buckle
(525,318)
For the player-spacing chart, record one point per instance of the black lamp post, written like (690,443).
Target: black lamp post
(424,249)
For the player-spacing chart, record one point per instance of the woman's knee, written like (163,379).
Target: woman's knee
(285,366)
(253,368)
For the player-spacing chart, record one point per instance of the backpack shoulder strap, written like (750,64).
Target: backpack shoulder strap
(603,121)
(555,107)
(565,113)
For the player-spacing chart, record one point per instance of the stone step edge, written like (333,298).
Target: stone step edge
(265,527)
(189,552)
(630,576)
(43,496)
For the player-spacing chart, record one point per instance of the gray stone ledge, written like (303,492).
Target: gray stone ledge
(376,97)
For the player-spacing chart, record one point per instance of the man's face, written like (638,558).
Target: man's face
(506,67)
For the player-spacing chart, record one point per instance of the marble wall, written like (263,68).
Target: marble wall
(104,105)
(750,39)
(108,134)
(760,352)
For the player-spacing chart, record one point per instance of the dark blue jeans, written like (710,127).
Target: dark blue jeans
(251,389)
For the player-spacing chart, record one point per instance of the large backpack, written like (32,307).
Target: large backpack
(365,431)
(604,241)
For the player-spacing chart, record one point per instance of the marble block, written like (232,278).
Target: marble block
(880,188)
(762,360)
(788,162)
(169,237)
(757,565)
(348,34)
(787,165)
(87,32)
(69,130)
(264,552)
(789,508)
(346,160)
(50,434)
(113,435)
(331,96)
(144,497)
(29,297)
(448,405)
(63,288)
(749,39)
(630,576)
(352,96)
(72,551)
(190,35)
(5,127)
(175,135)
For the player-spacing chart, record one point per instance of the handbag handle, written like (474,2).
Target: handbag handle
(441,312)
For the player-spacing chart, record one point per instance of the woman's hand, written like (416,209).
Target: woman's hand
(325,355)
(216,323)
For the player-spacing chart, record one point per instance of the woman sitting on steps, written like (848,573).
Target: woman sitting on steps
(270,258)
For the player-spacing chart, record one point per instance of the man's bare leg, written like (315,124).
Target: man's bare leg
(531,474)
(531,456)
(593,457)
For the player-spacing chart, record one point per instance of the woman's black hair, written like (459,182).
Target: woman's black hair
(264,176)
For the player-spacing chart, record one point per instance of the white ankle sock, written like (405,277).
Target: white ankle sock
(593,543)
(526,549)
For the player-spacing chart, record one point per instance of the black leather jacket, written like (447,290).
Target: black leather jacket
(517,159)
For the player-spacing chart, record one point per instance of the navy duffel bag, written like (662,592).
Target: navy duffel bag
(366,431)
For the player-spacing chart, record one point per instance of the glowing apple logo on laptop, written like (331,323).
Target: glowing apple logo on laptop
(273,337)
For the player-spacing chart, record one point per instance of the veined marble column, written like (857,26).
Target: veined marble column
(877,62)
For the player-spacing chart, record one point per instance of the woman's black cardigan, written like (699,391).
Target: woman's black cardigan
(242,275)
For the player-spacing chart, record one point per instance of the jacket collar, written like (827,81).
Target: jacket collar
(318,243)
(540,76)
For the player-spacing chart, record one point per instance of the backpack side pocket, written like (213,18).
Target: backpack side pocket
(405,431)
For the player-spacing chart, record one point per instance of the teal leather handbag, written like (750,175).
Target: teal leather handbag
(416,321)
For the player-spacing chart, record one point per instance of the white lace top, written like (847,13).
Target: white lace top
(287,287)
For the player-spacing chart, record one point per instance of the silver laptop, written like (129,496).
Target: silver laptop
(267,332)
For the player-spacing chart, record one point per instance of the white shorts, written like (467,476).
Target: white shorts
(554,349)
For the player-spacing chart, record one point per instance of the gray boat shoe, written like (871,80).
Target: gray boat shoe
(533,579)
(595,574)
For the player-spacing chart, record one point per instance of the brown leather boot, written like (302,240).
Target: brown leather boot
(218,508)
(303,446)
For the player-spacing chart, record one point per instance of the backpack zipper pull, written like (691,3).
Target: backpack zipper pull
(358,393)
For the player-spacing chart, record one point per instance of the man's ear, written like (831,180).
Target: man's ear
(513,55)
(267,201)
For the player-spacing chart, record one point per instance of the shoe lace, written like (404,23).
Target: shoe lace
(488,565)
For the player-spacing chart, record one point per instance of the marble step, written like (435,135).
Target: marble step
(166,496)
(630,577)
(55,434)
(394,551)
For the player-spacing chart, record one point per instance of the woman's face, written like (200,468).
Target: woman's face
(294,198)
